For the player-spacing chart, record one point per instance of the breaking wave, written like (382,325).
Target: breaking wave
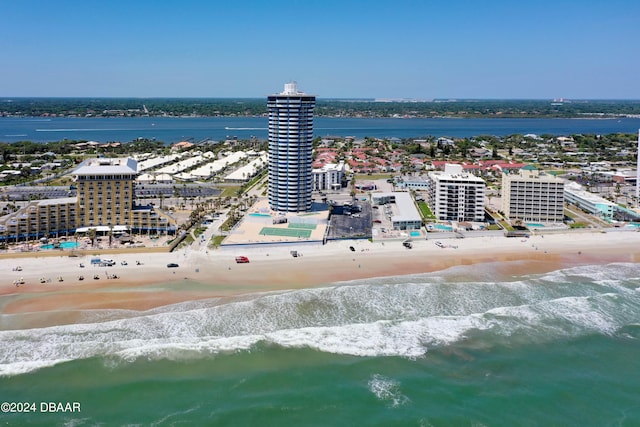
(402,316)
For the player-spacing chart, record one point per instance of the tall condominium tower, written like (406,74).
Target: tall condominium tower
(533,196)
(455,195)
(290,149)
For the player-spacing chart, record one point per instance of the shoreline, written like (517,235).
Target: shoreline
(214,274)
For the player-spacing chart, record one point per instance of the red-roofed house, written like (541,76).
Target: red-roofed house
(182,145)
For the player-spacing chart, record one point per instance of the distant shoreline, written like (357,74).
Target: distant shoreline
(325,107)
(175,129)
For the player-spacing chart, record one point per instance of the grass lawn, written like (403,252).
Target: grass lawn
(425,211)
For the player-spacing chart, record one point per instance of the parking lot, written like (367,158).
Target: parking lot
(352,223)
(37,193)
(183,190)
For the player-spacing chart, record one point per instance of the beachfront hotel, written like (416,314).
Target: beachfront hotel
(533,196)
(290,149)
(105,202)
(105,191)
(455,195)
(40,218)
(106,199)
(591,203)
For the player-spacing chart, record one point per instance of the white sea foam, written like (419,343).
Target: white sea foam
(23,367)
(398,319)
(388,390)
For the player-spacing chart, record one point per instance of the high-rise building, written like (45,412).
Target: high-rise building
(455,195)
(533,196)
(290,149)
(105,202)
(105,191)
(106,198)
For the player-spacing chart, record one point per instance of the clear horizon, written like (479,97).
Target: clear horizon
(335,50)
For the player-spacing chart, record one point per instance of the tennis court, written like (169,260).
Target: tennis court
(302,225)
(286,232)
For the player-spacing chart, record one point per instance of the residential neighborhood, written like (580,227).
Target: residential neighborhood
(172,182)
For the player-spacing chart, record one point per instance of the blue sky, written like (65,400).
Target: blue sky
(332,48)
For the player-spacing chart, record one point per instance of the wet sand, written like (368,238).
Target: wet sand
(214,273)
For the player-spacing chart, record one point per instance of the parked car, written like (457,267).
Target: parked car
(242,259)
(172,265)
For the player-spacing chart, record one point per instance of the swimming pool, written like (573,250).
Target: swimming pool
(63,245)
(259,214)
(442,227)
(415,234)
(535,224)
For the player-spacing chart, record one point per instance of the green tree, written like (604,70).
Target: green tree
(92,234)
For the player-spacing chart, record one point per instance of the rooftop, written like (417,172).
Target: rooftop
(104,166)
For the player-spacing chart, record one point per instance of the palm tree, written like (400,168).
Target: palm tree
(91,234)
(110,234)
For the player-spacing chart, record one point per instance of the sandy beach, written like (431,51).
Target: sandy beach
(44,300)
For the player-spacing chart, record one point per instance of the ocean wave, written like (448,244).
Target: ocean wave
(374,318)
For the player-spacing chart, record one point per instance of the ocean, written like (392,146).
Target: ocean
(459,347)
(172,130)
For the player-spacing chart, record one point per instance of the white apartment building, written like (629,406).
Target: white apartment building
(455,195)
(532,196)
(328,177)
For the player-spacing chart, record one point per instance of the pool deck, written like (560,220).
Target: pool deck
(247,231)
